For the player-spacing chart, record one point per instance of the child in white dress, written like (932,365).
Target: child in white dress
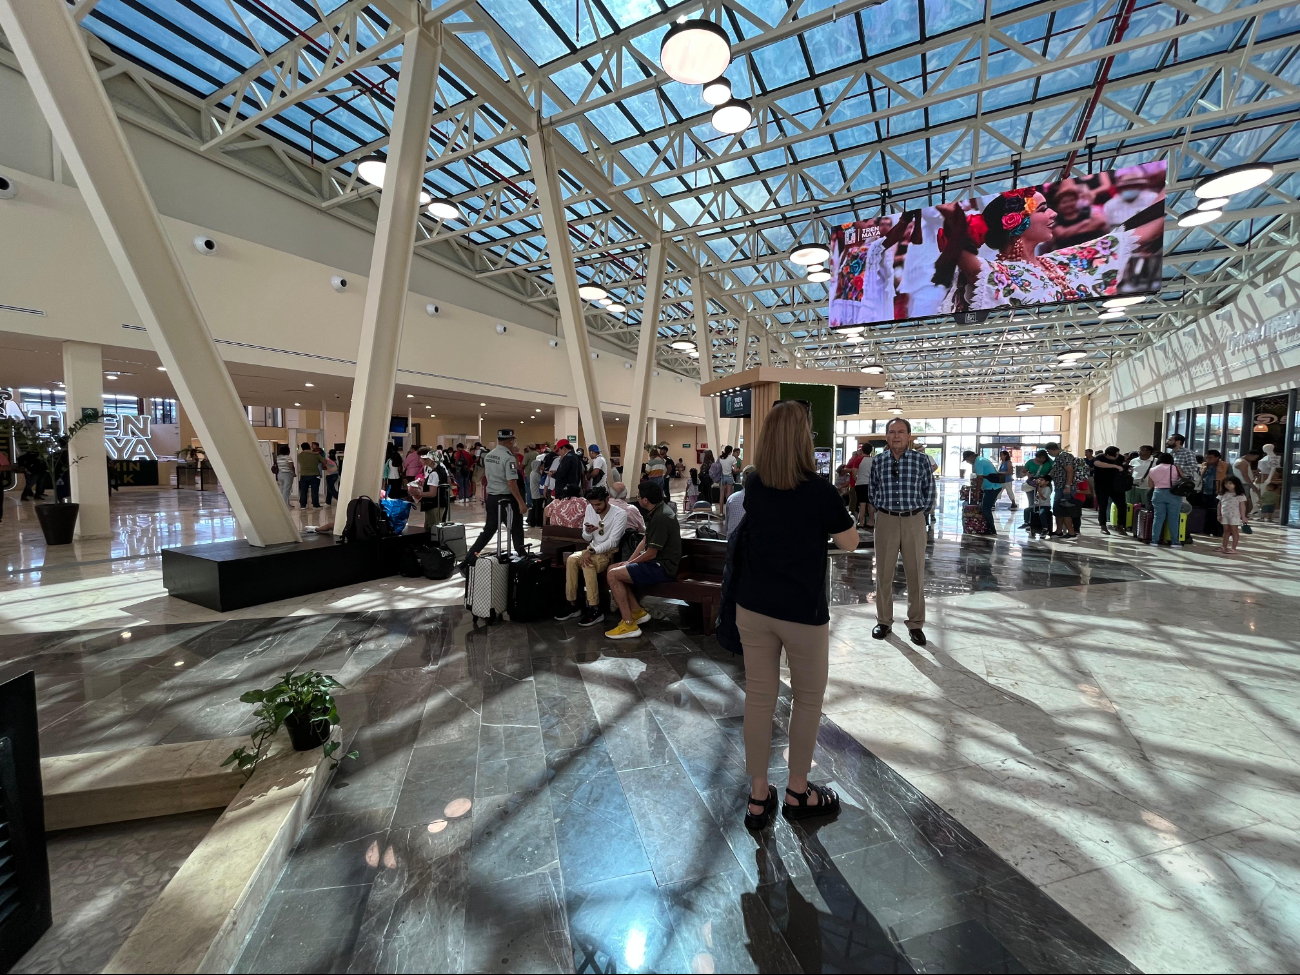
(1232,513)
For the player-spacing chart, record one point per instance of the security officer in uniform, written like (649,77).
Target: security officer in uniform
(502,473)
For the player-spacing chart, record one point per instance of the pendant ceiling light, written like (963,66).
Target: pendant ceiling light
(896,412)
(1213,203)
(1126,301)
(1043,387)
(616,308)
(1112,315)
(1197,218)
(682,345)
(592,292)
(717,91)
(817,277)
(873,369)
(886,393)
(1021,407)
(372,169)
(1235,179)
(695,51)
(810,254)
(444,210)
(817,267)
(1071,356)
(733,117)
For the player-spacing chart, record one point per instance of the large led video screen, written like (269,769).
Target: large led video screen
(1086,238)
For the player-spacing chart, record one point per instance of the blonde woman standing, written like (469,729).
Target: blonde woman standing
(781,603)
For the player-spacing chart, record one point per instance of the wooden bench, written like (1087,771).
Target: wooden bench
(699,578)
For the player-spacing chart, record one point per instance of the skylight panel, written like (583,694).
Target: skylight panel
(522,22)
(833,44)
(781,63)
(945,15)
(174,68)
(891,25)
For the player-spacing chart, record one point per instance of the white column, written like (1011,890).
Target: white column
(645,355)
(704,345)
(560,249)
(50,51)
(390,271)
(651,432)
(83,380)
(566,424)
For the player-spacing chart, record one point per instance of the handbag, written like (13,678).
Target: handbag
(627,544)
(1185,486)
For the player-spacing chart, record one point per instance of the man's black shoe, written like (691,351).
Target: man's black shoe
(880,631)
(591,616)
(917,636)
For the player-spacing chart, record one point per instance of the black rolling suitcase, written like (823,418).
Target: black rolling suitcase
(536,589)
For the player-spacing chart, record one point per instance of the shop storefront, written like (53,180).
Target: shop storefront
(945,439)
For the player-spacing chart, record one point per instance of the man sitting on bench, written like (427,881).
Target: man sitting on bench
(602,528)
(654,561)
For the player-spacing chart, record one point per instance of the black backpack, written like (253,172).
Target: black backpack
(366,521)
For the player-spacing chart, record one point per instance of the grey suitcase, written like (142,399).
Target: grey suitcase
(487,587)
(452,535)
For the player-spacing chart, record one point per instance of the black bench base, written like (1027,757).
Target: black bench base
(232,575)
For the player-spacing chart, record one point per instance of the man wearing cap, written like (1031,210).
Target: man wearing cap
(568,472)
(599,466)
(501,472)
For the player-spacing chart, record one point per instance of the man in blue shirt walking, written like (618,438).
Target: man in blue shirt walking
(984,466)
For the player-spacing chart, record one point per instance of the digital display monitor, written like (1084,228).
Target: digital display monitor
(735,405)
(823,458)
(1086,238)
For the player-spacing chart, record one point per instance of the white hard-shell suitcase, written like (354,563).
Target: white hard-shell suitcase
(487,587)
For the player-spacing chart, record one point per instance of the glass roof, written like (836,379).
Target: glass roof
(857,106)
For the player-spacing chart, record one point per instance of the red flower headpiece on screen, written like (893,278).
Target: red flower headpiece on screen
(1020,204)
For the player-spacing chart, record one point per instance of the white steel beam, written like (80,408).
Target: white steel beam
(704,346)
(47,42)
(645,356)
(390,269)
(546,174)
(83,379)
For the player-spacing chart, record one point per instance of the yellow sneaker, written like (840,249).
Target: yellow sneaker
(624,631)
(643,618)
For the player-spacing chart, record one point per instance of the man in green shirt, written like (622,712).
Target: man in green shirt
(308,476)
(1039,467)
(655,560)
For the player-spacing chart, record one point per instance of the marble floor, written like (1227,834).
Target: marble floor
(1113,726)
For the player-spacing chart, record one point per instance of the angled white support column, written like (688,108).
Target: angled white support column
(556,227)
(704,346)
(734,427)
(83,380)
(637,436)
(390,270)
(50,51)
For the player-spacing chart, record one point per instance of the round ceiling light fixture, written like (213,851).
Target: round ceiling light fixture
(616,308)
(733,116)
(1112,315)
(810,254)
(606,301)
(886,393)
(694,52)
(851,329)
(872,369)
(682,345)
(1197,218)
(1072,356)
(1233,180)
(815,267)
(717,91)
(1213,203)
(896,412)
(817,277)
(372,169)
(592,292)
(443,209)
(1126,301)
(1022,407)
(852,339)
(1043,387)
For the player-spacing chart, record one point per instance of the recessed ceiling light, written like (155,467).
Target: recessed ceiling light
(162,368)
(482,404)
(695,52)
(443,210)
(1197,218)
(109,375)
(537,410)
(297,404)
(372,170)
(1235,179)
(591,292)
(732,117)
(1127,301)
(810,254)
(309,385)
(817,277)
(1213,203)
(410,396)
(717,91)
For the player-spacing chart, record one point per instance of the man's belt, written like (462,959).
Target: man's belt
(902,514)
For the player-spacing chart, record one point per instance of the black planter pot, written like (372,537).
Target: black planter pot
(58,522)
(306,735)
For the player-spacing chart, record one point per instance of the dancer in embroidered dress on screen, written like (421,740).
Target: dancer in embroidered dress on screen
(1003,251)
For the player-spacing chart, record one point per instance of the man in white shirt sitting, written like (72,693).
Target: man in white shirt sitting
(602,528)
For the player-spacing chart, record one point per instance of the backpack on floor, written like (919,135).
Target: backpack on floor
(365,521)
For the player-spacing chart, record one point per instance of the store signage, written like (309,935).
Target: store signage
(126,437)
(1266,331)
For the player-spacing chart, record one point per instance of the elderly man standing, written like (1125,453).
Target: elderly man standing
(902,492)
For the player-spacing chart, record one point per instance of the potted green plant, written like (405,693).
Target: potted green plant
(58,520)
(304,705)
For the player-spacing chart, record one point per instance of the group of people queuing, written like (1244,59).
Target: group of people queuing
(1170,482)
(310,465)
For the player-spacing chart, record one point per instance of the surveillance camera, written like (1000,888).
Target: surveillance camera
(553,343)
(205,245)
(339,283)
(656,372)
(595,355)
(627,365)
(431,309)
(501,329)
(7,188)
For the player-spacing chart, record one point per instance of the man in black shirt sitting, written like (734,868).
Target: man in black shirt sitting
(655,560)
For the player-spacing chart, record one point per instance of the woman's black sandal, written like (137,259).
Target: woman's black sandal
(828,803)
(764,819)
